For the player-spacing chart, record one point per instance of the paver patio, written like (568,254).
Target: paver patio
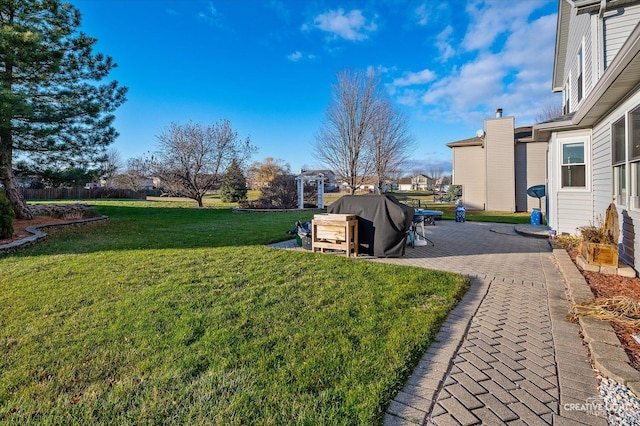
(507,354)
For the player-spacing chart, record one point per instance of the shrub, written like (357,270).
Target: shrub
(6,217)
(282,192)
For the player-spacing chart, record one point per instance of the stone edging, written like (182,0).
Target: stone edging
(39,235)
(608,356)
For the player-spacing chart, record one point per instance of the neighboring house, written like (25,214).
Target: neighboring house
(496,167)
(421,183)
(405,184)
(594,149)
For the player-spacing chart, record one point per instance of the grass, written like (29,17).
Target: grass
(173,314)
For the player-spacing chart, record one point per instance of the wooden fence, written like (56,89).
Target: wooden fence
(82,193)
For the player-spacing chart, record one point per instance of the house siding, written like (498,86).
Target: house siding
(603,192)
(530,171)
(580,31)
(500,157)
(602,172)
(569,209)
(616,28)
(470,175)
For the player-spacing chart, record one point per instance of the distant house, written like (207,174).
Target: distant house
(594,149)
(496,167)
(421,182)
(405,184)
(330,183)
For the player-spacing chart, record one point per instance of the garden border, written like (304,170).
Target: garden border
(39,235)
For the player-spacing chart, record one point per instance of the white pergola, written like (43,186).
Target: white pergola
(300,181)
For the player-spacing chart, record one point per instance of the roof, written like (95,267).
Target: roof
(520,134)
(593,6)
(618,82)
(475,141)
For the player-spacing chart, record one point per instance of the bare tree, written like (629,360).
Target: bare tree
(138,170)
(549,112)
(192,158)
(435,173)
(112,165)
(391,142)
(342,142)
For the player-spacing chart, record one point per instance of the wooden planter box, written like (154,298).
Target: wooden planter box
(335,232)
(599,254)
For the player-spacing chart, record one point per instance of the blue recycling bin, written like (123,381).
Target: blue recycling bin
(460,214)
(536,217)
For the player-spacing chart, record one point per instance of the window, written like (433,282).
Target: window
(634,156)
(619,161)
(573,165)
(580,73)
(625,156)
(566,109)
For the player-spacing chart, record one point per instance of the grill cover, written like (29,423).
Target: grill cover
(383,222)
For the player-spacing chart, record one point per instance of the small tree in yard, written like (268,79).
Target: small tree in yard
(192,157)
(234,184)
(54,108)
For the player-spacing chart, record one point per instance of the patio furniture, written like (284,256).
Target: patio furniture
(382,222)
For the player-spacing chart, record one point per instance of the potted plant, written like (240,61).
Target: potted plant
(599,245)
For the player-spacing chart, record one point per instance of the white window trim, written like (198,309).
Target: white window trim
(573,138)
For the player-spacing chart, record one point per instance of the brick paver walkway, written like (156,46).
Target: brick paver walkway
(507,354)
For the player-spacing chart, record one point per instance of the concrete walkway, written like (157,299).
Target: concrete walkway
(507,354)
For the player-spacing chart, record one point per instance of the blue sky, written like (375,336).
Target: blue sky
(268,66)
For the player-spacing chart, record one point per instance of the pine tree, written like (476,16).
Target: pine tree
(53,107)
(234,184)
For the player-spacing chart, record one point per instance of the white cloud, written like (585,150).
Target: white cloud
(509,60)
(415,78)
(298,55)
(350,26)
(443,43)
(211,16)
(490,19)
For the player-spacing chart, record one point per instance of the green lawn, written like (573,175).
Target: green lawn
(168,314)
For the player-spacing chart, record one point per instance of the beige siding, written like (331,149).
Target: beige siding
(617,27)
(468,171)
(500,157)
(531,159)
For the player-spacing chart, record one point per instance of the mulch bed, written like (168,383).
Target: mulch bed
(20,226)
(605,286)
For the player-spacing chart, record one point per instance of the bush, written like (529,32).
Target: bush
(6,217)
(282,192)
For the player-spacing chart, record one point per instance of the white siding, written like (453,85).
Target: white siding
(574,210)
(569,208)
(616,27)
(602,171)
(500,152)
(603,183)
(580,30)
(468,171)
